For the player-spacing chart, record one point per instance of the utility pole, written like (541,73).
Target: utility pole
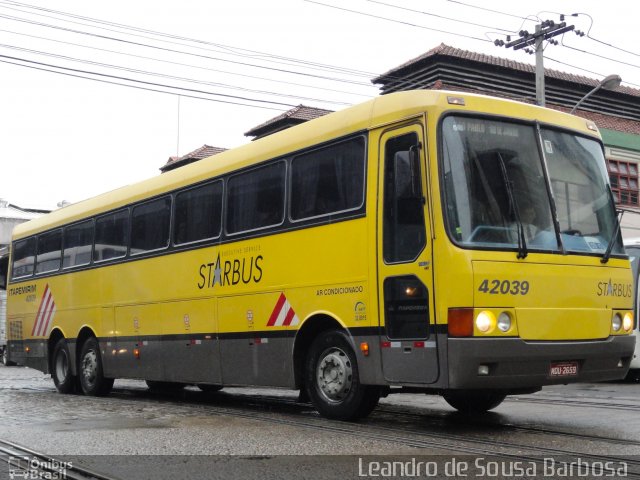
(539,67)
(544,31)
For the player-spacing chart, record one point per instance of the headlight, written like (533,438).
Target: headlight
(627,322)
(616,322)
(485,321)
(504,322)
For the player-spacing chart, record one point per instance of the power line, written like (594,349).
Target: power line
(133,86)
(438,16)
(379,17)
(233,50)
(599,56)
(114,77)
(254,77)
(489,10)
(170,50)
(599,74)
(171,77)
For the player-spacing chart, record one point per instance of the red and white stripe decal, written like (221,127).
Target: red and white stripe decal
(46,312)
(283,315)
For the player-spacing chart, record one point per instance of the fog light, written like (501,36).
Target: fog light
(483,369)
(616,323)
(627,322)
(504,322)
(485,321)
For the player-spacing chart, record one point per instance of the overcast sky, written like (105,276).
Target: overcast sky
(68,138)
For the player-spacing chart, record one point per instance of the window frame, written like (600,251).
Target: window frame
(289,186)
(13,258)
(38,237)
(127,234)
(90,220)
(132,209)
(285,199)
(222,182)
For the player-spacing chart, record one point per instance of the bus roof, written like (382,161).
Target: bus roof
(376,112)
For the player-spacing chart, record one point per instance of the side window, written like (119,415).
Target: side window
(78,241)
(198,214)
(404,234)
(24,256)
(255,199)
(49,252)
(111,236)
(328,180)
(150,226)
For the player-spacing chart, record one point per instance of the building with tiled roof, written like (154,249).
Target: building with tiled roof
(198,154)
(615,112)
(446,67)
(12,215)
(290,118)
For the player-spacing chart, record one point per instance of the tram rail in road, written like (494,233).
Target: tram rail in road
(23,462)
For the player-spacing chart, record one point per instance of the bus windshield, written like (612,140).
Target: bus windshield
(496,194)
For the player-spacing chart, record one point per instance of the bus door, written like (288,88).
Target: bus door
(405,280)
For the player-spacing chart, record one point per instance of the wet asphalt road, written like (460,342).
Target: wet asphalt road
(250,433)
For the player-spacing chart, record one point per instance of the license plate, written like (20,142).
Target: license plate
(563,369)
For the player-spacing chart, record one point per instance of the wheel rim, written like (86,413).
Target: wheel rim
(90,367)
(334,375)
(62,366)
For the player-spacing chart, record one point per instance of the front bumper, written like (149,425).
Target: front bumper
(514,363)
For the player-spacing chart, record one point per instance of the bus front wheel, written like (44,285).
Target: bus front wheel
(332,379)
(92,380)
(61,367)
(474,401)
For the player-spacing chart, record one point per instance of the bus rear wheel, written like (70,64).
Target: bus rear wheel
(61,367)
(474,401)
(90,372)
(333,381)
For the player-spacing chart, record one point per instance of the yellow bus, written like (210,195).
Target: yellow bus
(423,241)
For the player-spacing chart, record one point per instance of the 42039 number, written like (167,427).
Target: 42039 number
(504,287)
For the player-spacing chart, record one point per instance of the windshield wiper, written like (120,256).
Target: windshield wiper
(612,242)
(522,243)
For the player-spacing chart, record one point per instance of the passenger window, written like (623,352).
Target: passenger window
(49,252)
(328,180)
(111,236)
(198,214)
(404,234)
(78,241)
(24,255)
(150,224)
(255,199)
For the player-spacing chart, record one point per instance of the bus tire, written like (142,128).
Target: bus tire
(61,368)
(90,372)
(474,401)
(332,379)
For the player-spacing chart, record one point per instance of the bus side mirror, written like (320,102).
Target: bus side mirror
(408,183)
